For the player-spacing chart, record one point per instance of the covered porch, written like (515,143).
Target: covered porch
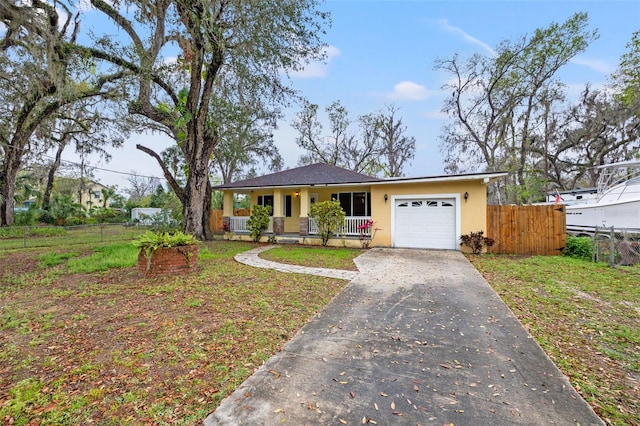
(290,212)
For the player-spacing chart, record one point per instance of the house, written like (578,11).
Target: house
(423,212)
(88,193)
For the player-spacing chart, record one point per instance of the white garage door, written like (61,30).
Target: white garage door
(425,223)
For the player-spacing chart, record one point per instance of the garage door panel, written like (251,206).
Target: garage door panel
(425,223)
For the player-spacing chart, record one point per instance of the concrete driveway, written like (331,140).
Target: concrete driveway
(418,337)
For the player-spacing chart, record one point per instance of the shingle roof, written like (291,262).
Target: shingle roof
(313,174)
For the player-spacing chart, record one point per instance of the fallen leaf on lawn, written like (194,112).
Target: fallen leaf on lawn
(275,373)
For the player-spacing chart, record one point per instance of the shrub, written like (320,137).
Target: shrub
(330,218)
(476,241)
(27,218)
(151,241)
(579,247)
(259,221)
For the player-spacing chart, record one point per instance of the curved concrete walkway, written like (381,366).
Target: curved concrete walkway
(251,258)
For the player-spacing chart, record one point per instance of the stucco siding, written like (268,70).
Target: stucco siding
(473,211)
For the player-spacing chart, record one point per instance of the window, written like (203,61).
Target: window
(354,203)
(287,205)
(266,200)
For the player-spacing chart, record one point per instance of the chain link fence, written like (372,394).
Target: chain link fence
(17,237)
(615,247)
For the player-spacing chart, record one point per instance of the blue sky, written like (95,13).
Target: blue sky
(384,51)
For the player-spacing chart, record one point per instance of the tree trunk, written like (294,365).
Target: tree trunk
(11,168)
(46,198)
(197,203)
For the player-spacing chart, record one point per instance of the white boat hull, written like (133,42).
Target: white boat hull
(622,215)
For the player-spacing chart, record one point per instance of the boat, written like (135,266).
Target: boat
(616,204)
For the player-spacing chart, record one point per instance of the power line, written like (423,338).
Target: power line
(107,170)
(95,167)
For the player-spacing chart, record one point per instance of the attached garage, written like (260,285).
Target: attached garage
(426,222)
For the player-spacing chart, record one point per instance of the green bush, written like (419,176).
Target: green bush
(579,247)
(151,241)
(27,218)
(330,218)
(259,221)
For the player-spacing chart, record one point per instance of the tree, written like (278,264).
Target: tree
(246,137)
(141,186)
(87,127)
(340,147)
(626,79)
(329,216)
(396,147)
(599,129)
(40,76)
(226,47)
(499,103)
(379,147)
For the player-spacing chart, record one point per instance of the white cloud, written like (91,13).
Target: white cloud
(435,115)
(444,24)
(318,69)
(594,64)
(408,91)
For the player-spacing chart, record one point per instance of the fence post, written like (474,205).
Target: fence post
(24,236)
(101,233)
(612,248)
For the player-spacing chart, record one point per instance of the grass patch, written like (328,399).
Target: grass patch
(586,316)
(54,259)
(120,255)
(318,257)
(108,347)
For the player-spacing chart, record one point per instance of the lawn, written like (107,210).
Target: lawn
(586,317)
(84,340)
(327,257)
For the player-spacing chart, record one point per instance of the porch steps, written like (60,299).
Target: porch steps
(288,241)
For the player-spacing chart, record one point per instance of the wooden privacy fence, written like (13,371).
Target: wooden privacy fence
(215,218)
(527,230)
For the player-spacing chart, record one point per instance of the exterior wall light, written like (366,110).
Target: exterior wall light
(466,196)
(386,197)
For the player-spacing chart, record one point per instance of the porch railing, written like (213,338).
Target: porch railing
(238,224)
(349,228)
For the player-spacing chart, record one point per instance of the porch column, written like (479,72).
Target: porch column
(304,211)
(227,209)
(278,213)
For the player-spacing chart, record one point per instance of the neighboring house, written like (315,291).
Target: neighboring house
(422,212)
(92,195)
